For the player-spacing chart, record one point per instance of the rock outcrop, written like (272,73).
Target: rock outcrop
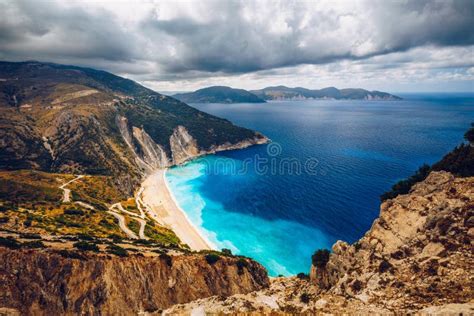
(418,252)
(183,145)
(35,282)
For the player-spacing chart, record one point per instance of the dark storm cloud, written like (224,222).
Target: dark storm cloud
(228,37)
(45,30)
(234,44)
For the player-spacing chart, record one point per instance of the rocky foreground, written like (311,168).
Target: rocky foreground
(416,257)
(35,282)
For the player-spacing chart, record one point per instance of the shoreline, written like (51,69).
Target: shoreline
(167,211)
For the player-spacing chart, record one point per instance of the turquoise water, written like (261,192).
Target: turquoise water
(258,203)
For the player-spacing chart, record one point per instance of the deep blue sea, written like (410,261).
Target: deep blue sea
(321,178)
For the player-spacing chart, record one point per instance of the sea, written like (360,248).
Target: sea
(321,177)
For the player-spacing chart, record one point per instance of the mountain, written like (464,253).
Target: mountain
(285,93)
(219,94)
(69,119)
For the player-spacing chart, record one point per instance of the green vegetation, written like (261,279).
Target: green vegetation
(219,94)
(241,264)
(404,186)
(320,258)
(282,92)
(305,298)
(469,135)
(10,242)
(167,258)
(133,224)
(161,235)
(30,236)
(117,250)
(34,244)
(302,276)
(86,246)
(71,254)
(73,212)
(226,252)
(460,161)
(28,186)
(212,258)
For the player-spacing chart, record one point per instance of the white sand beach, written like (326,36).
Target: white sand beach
(163,205)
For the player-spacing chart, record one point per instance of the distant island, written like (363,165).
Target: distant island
(219,94)
(222,94)
(286,93)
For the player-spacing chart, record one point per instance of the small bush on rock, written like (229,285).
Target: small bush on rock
(212,258)
(320,258)
(86,246)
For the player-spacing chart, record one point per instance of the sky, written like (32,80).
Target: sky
(393,46)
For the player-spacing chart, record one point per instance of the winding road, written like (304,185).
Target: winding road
(67,192)
(117,206)
(123,225)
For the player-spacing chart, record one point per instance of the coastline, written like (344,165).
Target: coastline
(165,208)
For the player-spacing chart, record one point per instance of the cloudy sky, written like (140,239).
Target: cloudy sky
(184,45)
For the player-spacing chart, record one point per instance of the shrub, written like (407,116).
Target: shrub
(143,242)
(320,258)
(73,211)
(226,252)
(212,258)
(167,258)
(86,246)
(10,242)
(302,276)
(117,250)
(385,266)
(356,286)
(241,264)
(404,186)
(85,237)
(357,246)
(30,236)
(116,238)
(70,254)
(469,135)
(305,298)
(34,244)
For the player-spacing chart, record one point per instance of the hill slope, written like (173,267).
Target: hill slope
(219,94)
(71,119)
(285,93)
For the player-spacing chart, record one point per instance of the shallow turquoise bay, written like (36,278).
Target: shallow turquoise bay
(361,149)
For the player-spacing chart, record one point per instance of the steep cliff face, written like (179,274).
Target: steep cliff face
(147,154)
(183,145)
(418,252)
(44,283)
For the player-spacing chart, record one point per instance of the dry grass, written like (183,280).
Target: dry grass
(31,202)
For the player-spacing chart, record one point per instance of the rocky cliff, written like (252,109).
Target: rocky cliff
(418,252)
(416,257)
(35,282)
